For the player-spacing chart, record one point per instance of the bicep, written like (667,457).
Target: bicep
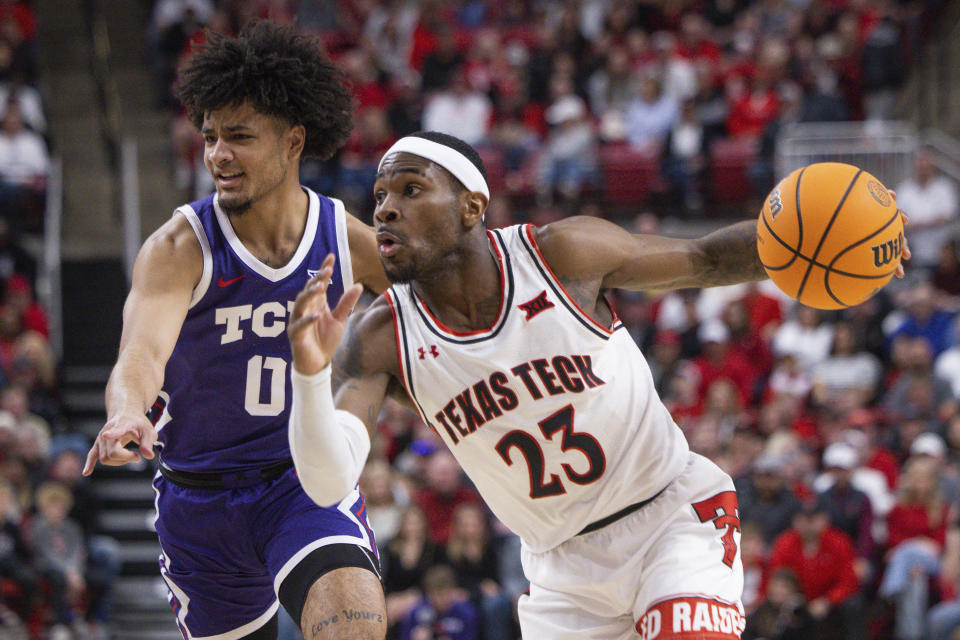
(595,249)
(164,276)
(363,397)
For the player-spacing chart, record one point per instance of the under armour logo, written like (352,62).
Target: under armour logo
(535,306)
(423,352)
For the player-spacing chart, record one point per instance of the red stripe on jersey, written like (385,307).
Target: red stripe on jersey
(528,229)
(500,311)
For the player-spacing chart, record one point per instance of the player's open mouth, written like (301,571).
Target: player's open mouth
(387,243)
(227,180)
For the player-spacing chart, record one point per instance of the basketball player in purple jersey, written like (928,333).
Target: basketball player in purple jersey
(204,352)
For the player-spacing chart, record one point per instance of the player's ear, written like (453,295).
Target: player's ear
(296,139)
(475,205)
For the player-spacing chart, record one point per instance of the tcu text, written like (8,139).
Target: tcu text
(267,320)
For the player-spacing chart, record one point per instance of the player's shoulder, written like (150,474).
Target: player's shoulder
(370,340)
(375,319)
(173,246)
(565,240)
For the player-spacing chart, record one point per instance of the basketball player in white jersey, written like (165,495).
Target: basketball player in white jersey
(503,342)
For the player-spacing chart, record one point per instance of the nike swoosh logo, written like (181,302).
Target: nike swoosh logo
(225,283)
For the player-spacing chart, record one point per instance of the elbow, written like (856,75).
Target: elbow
(325,487)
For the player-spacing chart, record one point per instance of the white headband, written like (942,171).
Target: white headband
(447,157)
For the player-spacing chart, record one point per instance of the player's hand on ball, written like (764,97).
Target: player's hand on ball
(315,330)
(110,446)
(906,245)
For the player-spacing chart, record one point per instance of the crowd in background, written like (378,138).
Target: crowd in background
(573,103)
(841,429)
(55,571)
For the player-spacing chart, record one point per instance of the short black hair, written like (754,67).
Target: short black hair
(459,145)
(280,72)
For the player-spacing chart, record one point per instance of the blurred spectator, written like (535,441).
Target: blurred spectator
(611,87)
(24,165)
(849,377)
(443,613)
(473,554)
(444,492)
(943,620)
(930,199)
(822,558)
(14,259)
(440,65)
(847,507)
(15,557)
(917,527)
(57,545)
(918,393)
(783,613)
(569,152)
(752,108)
(459,110)
(882,59)
(28,99)
(923,319)
(651,114)
(719,361)
(931,447)
(360,157)
(408,556)
(753,551)
(684,158)
(764,498)
(19,296)
(386,498)
(807,336)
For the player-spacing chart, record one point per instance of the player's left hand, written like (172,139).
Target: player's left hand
(315,330)
(905,253)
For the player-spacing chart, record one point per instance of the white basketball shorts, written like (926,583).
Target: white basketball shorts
(669,571)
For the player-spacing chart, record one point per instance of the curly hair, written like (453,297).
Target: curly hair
(281,72)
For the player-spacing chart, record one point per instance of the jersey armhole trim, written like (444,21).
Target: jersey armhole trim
(403,353)
(530,243)
(343,243)
(200,289)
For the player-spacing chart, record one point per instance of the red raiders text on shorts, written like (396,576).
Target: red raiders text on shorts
(691,618)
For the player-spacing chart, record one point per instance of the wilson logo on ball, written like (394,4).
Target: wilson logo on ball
(885,252)
(775,205)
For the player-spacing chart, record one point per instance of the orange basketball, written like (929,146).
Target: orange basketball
(830,235)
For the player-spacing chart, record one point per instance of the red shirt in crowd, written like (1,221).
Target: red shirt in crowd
(439,510)
(750,112)
(734,367)
(828,572)
(907,521)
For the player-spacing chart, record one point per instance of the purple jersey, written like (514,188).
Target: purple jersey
(226,389)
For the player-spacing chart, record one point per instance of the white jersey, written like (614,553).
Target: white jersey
(553,416)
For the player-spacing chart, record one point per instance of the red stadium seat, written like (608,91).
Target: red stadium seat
(730,160)
(629,176)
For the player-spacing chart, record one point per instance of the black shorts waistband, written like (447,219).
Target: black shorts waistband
(613,517)
(226,480)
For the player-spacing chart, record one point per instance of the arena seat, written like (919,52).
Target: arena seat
(730,161)
(629,176)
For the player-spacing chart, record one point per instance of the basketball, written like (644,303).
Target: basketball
(830,235)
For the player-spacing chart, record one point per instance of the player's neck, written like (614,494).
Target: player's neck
(465,296)
(273,226)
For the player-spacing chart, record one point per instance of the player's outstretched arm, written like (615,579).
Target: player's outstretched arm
(597,251)
(330,441)
(167,269)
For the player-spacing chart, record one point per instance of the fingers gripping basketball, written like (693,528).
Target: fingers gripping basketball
(830,235)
